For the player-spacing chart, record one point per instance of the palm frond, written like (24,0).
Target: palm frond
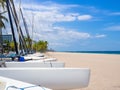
(2,3)
(3,12)
(2,25)
(3,18)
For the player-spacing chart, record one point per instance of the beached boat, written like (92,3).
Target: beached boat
(33,57)
(35,63)
(54,78)
(46,60)
(11,84)
(36,54)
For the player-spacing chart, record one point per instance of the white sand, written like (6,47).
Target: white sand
(105,68)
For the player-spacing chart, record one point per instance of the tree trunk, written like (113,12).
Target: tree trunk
(1,42)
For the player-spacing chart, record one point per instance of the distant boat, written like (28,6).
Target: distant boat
(54,78)
(11,84)
(33,57)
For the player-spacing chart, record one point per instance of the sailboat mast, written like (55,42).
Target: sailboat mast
(32,30)
(19,29)
(19,44)
(11,24)
(26,29)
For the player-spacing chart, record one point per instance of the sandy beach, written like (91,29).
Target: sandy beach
(105,68)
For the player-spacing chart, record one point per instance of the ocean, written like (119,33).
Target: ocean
(97,52)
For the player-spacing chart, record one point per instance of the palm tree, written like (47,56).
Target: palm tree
(2,3)
(2,19)
(2,25)
(41,46)
(28,42)
(12,46)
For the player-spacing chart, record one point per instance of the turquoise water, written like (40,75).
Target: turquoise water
(97,52)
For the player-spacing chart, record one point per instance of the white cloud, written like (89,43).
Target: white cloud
(115,13)
(45,18)
(75,35)
(55,12)
(51,16)
(113,28)
(100,36)
(54,44)
(84,17)
(62,34)
(48,5)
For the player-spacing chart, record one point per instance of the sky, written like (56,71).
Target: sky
(74,25)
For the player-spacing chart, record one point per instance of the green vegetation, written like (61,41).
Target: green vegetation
(41,46)
(8,46)
(12,46)
(28,43)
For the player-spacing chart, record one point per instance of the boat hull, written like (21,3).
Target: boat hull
(11,84)
(54,78)
(34,64)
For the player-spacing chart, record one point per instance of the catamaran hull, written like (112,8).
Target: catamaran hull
(34,64)
(54,78)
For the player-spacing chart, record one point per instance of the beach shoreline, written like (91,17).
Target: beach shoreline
(104,68)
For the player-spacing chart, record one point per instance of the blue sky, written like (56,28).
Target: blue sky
(75,25)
